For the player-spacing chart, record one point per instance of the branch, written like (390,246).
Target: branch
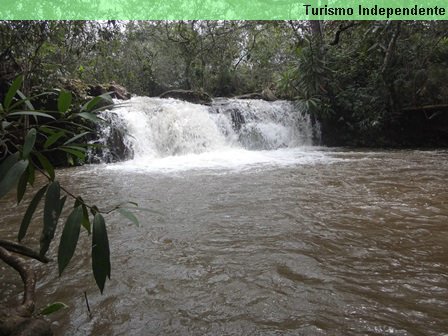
(28,279)
(341,29)
(391,48)
(23,250)
(440,107)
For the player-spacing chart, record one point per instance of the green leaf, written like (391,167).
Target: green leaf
(69,238)
(88,116)
(85,219)
(31,113)
(129,215)
(51,215)
(28,145)
(64,101)
(31,174)
(21,186)
(77,147)
(29,212)
(76,153)
(46,165)
(25,100)
(8,163)
(91,104)
(100,251)
(53,138)
(76,137)
(53,308)
(16,84)
(12,176)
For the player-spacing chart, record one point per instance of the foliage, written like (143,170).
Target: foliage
(148,57)
(361,76)
(30,140)
(355,76)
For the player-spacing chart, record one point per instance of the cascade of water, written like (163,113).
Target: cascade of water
(155,128)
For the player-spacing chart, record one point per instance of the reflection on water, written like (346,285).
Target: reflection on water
(351,243)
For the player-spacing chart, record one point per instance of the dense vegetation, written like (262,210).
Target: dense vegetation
(370,83)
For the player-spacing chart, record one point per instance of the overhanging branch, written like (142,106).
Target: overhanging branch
(28,279)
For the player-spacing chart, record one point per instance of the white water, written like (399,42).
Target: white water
(170,135)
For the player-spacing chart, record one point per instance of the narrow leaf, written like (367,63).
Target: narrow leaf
(28,145)
(76,153)
(100,251)
(91,104)
(76,137)
(51,215)
(53,138)
(31,174)
(46,165)
(64,101)
(129,215)
(31,113)
(69,238)
(85,219)
(53,308)
(12,91)
(25,100)
(12,176)
(21,186)
(88,116)
(8,163)
(29,212)
(77,147)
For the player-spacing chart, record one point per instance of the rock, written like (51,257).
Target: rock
(96,90)
(195,97)
(254,95)
(268,95)
(77,87)
(237,119)
(118,91)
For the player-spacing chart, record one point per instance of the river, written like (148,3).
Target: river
(297,240)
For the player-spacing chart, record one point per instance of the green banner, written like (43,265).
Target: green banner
(223,10)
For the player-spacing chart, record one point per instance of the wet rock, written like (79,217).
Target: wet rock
(237,119)
(118,91)
(268,95)
(195,97)
(96,90)
(254,95)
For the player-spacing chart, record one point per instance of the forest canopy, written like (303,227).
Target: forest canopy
(365,79)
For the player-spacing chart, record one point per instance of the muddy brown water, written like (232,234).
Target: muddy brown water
(353,244)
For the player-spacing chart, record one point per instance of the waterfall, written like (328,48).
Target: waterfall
(148,128)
